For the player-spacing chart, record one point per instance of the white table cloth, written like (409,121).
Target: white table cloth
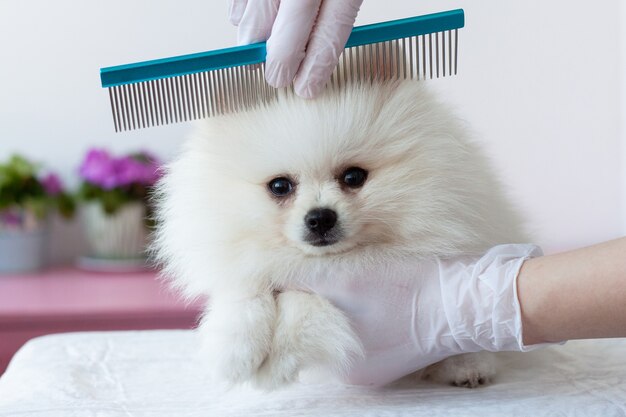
(156,373)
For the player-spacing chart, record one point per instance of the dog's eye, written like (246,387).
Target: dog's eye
(354,177)
(280,187)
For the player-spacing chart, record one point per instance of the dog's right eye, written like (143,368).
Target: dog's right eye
(280,187)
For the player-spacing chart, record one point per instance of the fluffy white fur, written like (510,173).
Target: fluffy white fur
(429,192)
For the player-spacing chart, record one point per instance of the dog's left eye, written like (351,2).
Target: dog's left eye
(280,187)
(354,177)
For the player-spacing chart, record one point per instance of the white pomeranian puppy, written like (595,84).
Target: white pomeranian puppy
(360,175)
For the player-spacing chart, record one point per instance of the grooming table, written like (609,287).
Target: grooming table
(156,373)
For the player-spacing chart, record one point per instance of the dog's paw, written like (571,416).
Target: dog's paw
(310,333)
(469,378)
(469,370)
(236,337)
(277,371)
(233,359)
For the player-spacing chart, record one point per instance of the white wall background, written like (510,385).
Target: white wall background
(539,81)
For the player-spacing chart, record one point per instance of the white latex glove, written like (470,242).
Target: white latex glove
(304,37)
(413,314)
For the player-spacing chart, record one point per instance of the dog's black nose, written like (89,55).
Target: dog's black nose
(320,220)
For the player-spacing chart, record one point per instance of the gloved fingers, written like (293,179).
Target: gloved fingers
(235,10)
(328,39)
(257,18)
(287,44)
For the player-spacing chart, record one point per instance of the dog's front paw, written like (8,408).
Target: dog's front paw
(470,370)
(236,337)
(232,358)
(310,333)
(278,370)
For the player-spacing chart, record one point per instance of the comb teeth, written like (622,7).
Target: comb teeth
(234,89)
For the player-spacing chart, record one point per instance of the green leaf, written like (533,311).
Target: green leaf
(22,167)
(19,186)
(66,205)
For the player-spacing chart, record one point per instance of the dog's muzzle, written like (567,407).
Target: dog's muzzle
(321,226)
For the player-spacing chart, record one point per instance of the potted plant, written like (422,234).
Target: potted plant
(116,213)
(26,198)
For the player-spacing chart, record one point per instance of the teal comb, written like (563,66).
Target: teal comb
(206,84)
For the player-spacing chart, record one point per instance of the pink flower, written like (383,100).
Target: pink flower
(10,218)
(98,169)
(52,185)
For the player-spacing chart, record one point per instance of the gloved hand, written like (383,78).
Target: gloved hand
(304,38)
(410,315)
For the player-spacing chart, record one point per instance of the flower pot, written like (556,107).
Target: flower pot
(23,241)
(121,235)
